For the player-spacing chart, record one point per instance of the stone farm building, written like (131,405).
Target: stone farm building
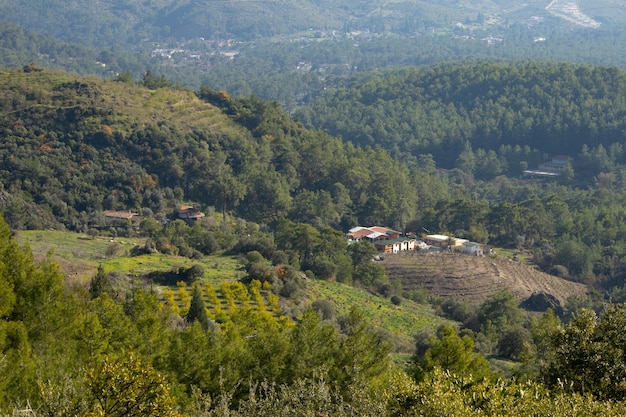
(473,248)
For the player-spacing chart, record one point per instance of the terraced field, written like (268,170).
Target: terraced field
(475,278)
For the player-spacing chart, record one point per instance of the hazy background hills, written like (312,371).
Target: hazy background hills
(291,51)
(110,22)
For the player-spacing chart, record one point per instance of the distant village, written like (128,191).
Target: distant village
(390,241)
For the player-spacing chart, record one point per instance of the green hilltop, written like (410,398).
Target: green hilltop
(132,22)
(74,146)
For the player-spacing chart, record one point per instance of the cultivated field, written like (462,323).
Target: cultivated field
(475,278)
(79,256)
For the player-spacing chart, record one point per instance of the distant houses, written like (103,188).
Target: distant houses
(391,241)
(128,216)
(124,218)
(372,234)
(386,240)
(189,213)
(396,245)
(549,169)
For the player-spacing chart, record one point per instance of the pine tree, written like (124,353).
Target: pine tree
(100,284)
(197,310)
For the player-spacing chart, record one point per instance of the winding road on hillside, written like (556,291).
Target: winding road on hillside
(569,10)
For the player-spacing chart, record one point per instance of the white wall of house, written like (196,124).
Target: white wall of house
(472,248)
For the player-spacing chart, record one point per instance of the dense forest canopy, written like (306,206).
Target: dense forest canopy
(549,107)
(79,146)
(276,54)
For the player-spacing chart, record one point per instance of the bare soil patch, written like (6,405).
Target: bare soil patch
(474,279)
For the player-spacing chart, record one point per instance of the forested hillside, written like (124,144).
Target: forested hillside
(245,310)
(446,109)
(278,196)
(77,146)
(68,350)
(73,147)
(131,22)
(273,52)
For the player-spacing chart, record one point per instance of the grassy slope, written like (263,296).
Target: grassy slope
(123,104)
(402,321)
(79,256)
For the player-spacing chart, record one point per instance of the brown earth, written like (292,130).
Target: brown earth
(473,278)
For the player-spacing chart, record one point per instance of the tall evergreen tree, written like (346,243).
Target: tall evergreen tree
(100,284)
(197,309)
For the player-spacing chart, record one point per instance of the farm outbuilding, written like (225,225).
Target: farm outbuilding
(473,248)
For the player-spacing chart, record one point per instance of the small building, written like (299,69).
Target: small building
(550,168)
(556,164)
(128,216)
(189,213)
(387,246)
(441,241)
(371,234)
(473,248)
(396,245)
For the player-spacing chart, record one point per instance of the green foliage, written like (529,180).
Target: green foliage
(588,354)
(502,309)
(129,387)
(396,300)
(438,110)
(314,346)
(140,359)
(305,397)
(197,310)
(448,351)
(103,150)
(125,77)
(445,394)
(365,270)
(149,80)
(361,353)
(513,342)
(100,284)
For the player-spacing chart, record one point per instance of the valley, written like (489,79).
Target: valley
(179,224)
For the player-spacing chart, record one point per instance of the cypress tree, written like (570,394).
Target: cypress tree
(197,310)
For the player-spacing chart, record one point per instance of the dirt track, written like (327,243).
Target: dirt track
(475,278)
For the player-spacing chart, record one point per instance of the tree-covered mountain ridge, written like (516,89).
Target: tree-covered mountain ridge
(75,146)
(134,22)
(555,108)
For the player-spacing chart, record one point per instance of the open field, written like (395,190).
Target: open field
(79,256)
(475,278)
(402,321)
